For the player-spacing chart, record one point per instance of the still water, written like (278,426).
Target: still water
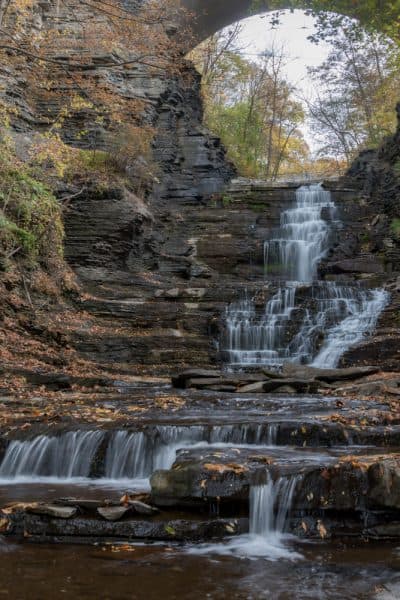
(41,572)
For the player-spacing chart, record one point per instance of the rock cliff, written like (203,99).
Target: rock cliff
(158,271)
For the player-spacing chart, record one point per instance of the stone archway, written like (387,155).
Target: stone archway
(213,15)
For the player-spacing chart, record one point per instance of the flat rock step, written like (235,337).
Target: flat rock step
(293,379)
(44,528)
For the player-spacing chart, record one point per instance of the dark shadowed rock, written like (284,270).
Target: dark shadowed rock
(42,528)
(327,375)
(180,380)
(370,264)
(301,386)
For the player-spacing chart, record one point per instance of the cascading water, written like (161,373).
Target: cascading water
(303,235)
(67,456)
(129,455)
(270,506)
(303,311)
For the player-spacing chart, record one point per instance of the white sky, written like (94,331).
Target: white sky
(293,31)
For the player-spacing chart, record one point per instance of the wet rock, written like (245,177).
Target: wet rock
(384,531)
(84,503)
(42,528)
(368,264)
(301,386)
(252,388)
(339,483)
(193,483)
(327,375)
(285,389)
(222,388)
(181,380)
(142,508)
(383,350)
(372,388)
(113,513)
(59,512)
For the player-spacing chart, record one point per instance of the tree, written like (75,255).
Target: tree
(357,90)
(105,39)
(251,106)
(374,15)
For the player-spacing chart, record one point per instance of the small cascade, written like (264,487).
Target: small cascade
(129,455)
(126,456)
(304,311)
(67,456)
(303,236)
(270,506)
(266,518)
(363,311)
(135,455)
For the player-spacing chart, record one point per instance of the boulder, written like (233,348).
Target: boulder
(113,513)
(181,379)
(52,510)
(370,264)
(327,375)
(41,528)
(252,388)
(344,483)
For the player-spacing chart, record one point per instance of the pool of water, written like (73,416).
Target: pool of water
(339,572)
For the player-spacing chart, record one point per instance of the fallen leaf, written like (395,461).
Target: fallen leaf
(321,530)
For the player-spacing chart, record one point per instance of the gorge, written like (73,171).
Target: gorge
(211,407)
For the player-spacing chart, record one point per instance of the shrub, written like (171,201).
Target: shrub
(395,227)
(30,216)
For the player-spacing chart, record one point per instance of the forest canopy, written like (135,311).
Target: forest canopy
(266,121)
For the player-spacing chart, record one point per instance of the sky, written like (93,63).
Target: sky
(257,35)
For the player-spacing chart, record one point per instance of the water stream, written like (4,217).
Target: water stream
(306,321)
(120,457)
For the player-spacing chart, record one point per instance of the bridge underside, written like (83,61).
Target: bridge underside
(209,16)
(213,15)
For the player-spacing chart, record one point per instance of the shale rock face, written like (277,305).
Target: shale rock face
(163,268)
(348,483)
(166,270)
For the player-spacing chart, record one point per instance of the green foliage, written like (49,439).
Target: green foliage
(30,216)
(252,108)
(226,201)
(395,227)
(358,87)
(375,15)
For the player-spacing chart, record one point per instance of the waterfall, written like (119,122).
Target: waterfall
(67,456)
(303,236)
(270,506)
(303,311)
(264,520)
(129,455)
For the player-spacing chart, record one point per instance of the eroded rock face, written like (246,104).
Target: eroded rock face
(167,266)
(339,483)
(91,530)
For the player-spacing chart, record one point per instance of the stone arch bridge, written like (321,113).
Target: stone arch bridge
(213,15)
